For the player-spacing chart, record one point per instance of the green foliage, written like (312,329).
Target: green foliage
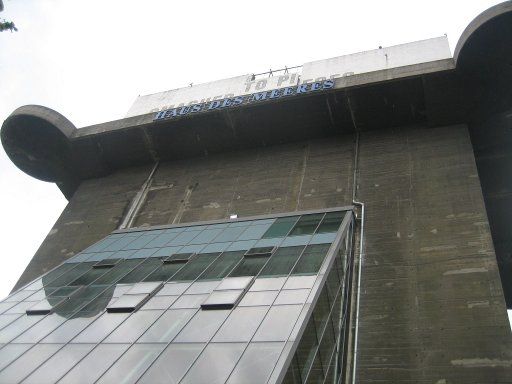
(7,25)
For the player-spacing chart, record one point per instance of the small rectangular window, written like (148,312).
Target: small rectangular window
(259,251)
(128,303)
(222,299)
(107,263)
(178,258)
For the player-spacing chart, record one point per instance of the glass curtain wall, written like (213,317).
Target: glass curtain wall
(222,302)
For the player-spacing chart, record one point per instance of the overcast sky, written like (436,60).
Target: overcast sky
(90,59)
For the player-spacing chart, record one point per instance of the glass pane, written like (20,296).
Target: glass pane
(281,227)
(140,242)
(311,259)
(215,364)
(206,236)
(297,282)
(222,266)
(322,311)
(222,299)
(189,301)
(161,240)
(258,298)
(69,329)
(256,363)
(141,271)
(202,326)
(119,244)
(101,328)
(164,272)
(268,284)
(254,232)
(307,348)
(127,303)
(7,319)
(71,275)
(173,289)
(316,374)
(307,224)
(25,364)
(17,327)
(241,324)
(331,222)
(159,302)
(282,261)
(234,283)
(294,296)
(195,267)
(133,327)
(183,238)
(94,364)
(132,364)
(278,323)
(10,352)
(53,369)
(202,287)
(172,364)
(88,277)
(229,234)
(121,269)
(41,329)
(296,240)
(167,326)
(249,266)
(52,275)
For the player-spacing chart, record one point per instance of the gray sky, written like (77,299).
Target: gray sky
(90,59)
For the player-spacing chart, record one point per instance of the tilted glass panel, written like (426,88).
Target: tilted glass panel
(195,267)
(282,261)
(172,364)
(278,323)
(167,326)
(306,224)
(202,326)
(27,362)
(331,222)
(241,324)
(142,270)
(214,364)
(54,368)
(249,266)
(94,364)
(280,227)
(10,352)
(116,273)
(130,330)
(132,364)
(101,328)
(68,330)
(222,266)
(311,259)
(271,314)
(256,363)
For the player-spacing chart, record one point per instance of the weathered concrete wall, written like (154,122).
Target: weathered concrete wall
(286,178)
(432,308)
(95,210)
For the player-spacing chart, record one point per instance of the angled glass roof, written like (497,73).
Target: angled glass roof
(208,302)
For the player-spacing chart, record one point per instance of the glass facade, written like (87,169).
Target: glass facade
(246,301)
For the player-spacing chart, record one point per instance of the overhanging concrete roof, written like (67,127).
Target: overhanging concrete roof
(47,146)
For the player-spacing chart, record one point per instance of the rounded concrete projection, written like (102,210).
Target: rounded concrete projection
(36,139)
(489,31)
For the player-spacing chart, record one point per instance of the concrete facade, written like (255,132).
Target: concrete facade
(432,307)
(424,143)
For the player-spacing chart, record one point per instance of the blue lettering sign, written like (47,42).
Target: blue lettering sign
(238,100)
